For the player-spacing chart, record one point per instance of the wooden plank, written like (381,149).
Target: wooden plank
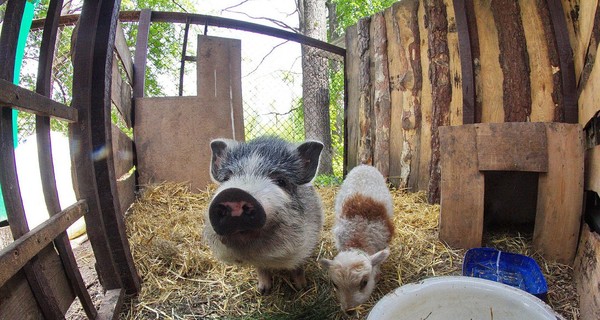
(126,188)
(586,41)
(18,253)
(365,139)
(514,60)
(121,94)
(62,243)
(351,71)
(462,188)
(124,53)
(381,94)
(167,136)
(421,175)
(141,53)
(546,94)
(489,76)
(466,61)
(560,194)
(111,304)
(23,99)
(592,169)
(589,99)
(587,274)
(439,75)
(104,169)
(565,56)
(220,76)
(512,146)
(457,103)
(122,148)
(83,164)
(17,299)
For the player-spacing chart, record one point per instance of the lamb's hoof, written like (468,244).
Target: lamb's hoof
(265,282)
(298,279)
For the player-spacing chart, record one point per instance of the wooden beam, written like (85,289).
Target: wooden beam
(111,304)
(466,61)
(19,98)
(141,53)
(124,53)
(17,254)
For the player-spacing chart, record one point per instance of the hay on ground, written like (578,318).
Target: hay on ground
(182,280)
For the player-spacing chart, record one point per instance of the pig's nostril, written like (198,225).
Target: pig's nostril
(222,210)
(248,210)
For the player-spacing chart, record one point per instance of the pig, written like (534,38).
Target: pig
(265,212)
(362,231)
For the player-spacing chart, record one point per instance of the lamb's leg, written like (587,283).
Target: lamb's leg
(265,281)
(298,278)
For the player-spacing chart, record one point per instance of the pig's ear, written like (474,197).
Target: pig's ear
(379,257)
(219,151)
(309,152)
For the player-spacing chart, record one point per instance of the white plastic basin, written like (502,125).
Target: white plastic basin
(459,297)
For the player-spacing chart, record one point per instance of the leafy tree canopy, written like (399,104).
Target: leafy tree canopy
(348,12)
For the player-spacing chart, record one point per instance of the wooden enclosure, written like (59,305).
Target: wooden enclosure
(425,66)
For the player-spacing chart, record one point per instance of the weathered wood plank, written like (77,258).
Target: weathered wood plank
(141,53)
(18,253)
(426,107)
(546,93)
(585,41)
(123,52)
(489,76)
(512,146)
(17,299)
(439,75)
(126,188)
(122,147)
(587,274)
(381,94)
(111,304)
(351,71)
(220,77)
(514,60)
(462,191)
(121,94)
(465,53)
(23,99)
(365,126)
(560,194)
(458,103)
(592,169)
(405,91)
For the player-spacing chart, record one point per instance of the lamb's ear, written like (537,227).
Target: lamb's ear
(219,152)
(325,263)
(380,257)
(309,152)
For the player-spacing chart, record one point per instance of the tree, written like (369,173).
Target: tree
(315,83)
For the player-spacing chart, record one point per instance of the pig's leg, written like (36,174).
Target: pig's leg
(265,281)
(298,278)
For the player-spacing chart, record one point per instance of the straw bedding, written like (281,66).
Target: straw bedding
(182,280)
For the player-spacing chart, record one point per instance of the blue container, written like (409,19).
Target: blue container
(509,268)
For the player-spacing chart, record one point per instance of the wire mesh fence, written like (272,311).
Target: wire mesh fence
(271,79)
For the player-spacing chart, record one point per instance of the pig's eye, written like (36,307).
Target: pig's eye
(281,182)
(363,283)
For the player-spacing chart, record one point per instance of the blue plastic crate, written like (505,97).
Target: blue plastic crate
(509,268)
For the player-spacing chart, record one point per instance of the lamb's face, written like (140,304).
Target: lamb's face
(353,274)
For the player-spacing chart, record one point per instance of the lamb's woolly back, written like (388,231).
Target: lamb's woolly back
(367,181)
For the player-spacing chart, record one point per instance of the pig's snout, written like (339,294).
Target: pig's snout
(235,210)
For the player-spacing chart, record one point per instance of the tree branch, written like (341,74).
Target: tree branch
(265,57)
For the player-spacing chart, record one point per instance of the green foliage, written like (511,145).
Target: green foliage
(325,180)
(348,12)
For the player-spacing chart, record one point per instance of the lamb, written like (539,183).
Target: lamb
(362,232)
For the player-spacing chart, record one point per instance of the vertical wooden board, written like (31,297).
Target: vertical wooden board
(587,274)
(560,194)
(422,177)
(54,270)
(173,143)
(352,64)
(404,56)
(365,108)
(589,99)
(126,189)
(381,94)
(121,94)
(219,74)
(17,300)
(123,52)
(462,188)
(580,21)
(592,169)
(456,104)
(489,77)
(542,70)
(122,148)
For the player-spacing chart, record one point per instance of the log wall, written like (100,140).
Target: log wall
(454,62)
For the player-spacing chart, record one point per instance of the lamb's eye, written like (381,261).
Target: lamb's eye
(363,283)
